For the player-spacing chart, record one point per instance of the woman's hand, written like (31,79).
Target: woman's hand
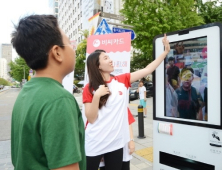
(102,91)
(166,44)
(131,146)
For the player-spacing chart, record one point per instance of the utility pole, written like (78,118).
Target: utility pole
(24,71)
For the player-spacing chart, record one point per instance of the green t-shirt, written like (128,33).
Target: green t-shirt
(188,103)
(47,127)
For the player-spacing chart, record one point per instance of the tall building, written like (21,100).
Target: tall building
(3,68)
(6,52)
(74,14)
(53,7)
(70,18)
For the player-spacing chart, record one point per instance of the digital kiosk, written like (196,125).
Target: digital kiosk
(187,126)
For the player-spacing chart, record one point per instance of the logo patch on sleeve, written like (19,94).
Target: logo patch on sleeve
(120,93)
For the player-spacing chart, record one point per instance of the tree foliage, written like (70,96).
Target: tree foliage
(80,58)
(4,82)
(151,18)
(17,69)
(81,55)
(210,11)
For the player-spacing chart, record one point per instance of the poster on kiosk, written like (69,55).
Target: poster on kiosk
(117,47)
(187,127)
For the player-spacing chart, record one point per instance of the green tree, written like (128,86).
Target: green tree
(81,55)
(151,18)
(4,82)
(84,33)
(17,69)
(210,11)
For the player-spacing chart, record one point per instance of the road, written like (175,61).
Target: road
(7,100)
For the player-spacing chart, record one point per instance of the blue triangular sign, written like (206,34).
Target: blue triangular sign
(103,28)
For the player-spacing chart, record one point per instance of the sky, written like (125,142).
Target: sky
(12,10)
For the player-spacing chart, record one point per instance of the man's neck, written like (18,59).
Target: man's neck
(49,74)
(186,89)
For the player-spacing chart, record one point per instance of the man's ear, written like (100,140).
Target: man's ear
(57,53)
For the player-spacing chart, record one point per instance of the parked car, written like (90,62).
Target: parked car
(149,88)
(1,87)
(133,91)
(134,86)
(75,89)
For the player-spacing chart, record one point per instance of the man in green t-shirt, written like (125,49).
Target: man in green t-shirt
(190,102)
(47,127)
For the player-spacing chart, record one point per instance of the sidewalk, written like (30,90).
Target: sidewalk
(143,156)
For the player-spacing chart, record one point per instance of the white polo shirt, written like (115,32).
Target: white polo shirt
(141,92)
(111,129)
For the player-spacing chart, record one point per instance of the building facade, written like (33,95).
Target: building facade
(6,53)
(73,15)
(3,68)
(53,7)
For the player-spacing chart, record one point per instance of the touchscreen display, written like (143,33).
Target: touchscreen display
(186,80)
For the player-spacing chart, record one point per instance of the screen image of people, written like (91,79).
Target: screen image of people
(186,80)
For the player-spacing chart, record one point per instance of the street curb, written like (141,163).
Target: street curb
(3,90)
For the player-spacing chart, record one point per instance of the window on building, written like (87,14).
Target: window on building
(56,4)
(78,17)
(73,12)
(78,27)
(81,26)
(79,39)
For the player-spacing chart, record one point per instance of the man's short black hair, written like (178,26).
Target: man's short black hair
(170,59)
(34,36)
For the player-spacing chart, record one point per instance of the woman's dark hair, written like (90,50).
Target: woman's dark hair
(34,36)
(95,77)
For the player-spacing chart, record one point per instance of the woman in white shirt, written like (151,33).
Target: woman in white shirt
(105,98)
